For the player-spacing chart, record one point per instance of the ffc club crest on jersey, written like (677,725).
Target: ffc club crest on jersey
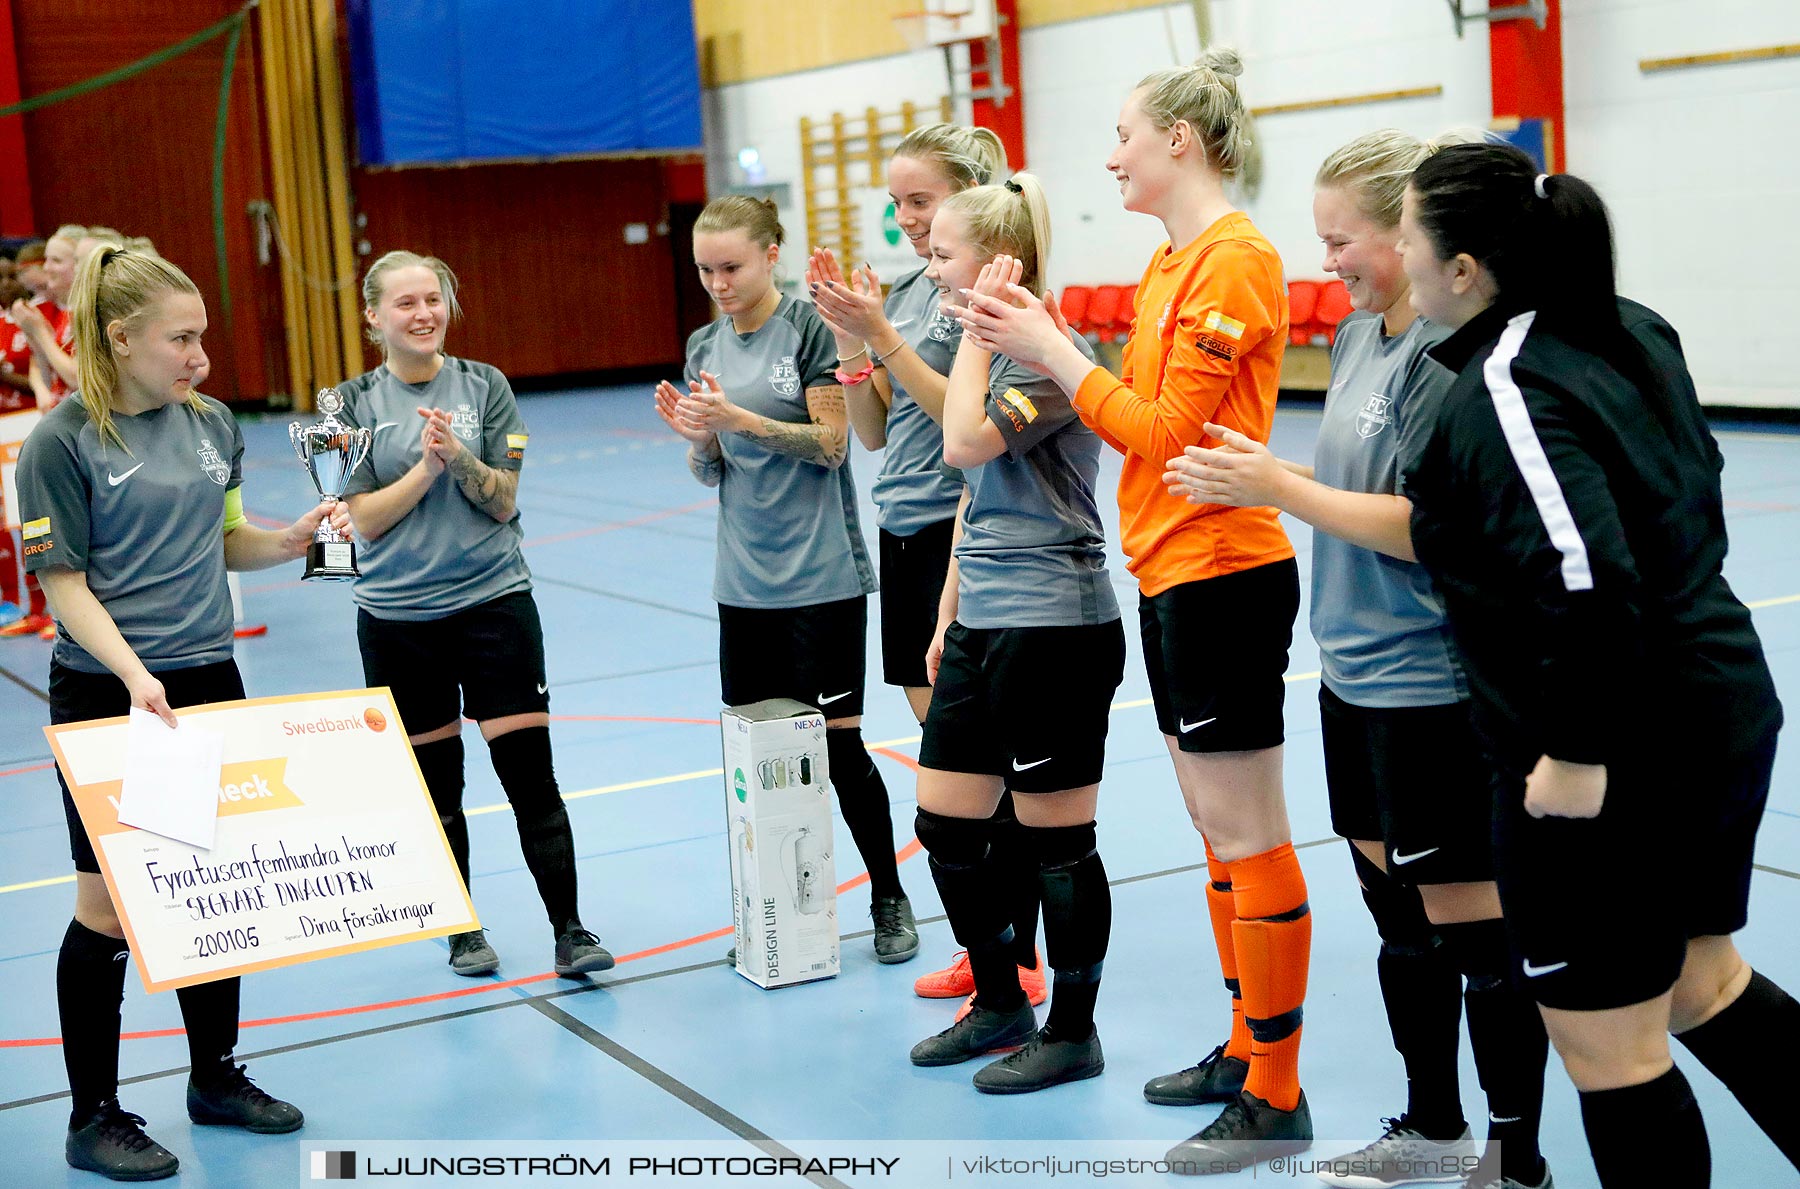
(215,467)
(784,377)
(942,326)
(1373,417)
(466,422)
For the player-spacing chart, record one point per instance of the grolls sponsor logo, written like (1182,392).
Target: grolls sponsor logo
(515,445)
(1018,409)
(1218,348)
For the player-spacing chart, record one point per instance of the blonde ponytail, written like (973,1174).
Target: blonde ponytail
(115,285)
(1011,219)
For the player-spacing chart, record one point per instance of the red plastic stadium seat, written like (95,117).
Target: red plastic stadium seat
(1103,309)
(1074,301)
(1122,316)
(1303,302)
(1334,307)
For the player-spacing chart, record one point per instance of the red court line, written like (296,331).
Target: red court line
(902,855)
(27,768)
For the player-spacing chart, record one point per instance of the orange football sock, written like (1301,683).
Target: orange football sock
(1221,906)
(1273,941)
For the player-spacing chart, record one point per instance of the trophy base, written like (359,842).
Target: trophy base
(331,561)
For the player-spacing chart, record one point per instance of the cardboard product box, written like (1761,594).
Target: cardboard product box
(779,829)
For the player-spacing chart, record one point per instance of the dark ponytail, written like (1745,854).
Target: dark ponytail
(1546,239)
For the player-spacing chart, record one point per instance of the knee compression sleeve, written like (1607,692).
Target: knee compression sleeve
(964,874)
(958,850)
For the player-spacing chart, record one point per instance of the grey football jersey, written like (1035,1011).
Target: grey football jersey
(1033,552)
(445,555)
(789,535)
(1383,639)
(146,524)
(912,492)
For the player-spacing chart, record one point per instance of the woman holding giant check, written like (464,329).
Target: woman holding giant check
(130,499)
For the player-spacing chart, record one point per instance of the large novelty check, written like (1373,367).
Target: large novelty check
(327,841)
(14,429)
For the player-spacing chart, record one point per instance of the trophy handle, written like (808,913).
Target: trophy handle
(298,440)
(362,440)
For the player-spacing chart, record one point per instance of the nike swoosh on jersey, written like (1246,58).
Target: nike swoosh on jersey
(1018,767)
(1187,726)
(1401,860)
(825,701)
(543,688)
(385,425)
(115,480)
(1540,971)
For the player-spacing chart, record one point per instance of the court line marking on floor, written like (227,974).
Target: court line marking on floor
(675,1088)
(23,684)
(589,987)
(499,985)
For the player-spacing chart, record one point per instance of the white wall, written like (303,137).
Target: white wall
(1701,170)
(1076,76)
(1699,166)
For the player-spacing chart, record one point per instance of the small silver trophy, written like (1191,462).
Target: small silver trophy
(330,451)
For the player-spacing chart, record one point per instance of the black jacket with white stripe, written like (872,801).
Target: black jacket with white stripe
(1568,507)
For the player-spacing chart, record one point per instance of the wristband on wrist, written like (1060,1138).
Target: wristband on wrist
(883,357)
(851,379)
(843,359)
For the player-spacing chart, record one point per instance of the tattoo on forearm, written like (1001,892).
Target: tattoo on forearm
(710,471)
(488,488)
(818,441)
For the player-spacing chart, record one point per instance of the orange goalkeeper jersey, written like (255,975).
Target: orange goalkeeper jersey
(1207,336)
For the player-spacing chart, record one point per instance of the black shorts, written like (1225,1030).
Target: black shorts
(486,661)
(913,570)
(1414,779)
(1216,652)
(77,697)
(1030,705)
(1600,910)
(816,655)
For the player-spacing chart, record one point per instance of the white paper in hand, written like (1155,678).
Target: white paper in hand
(172,779)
